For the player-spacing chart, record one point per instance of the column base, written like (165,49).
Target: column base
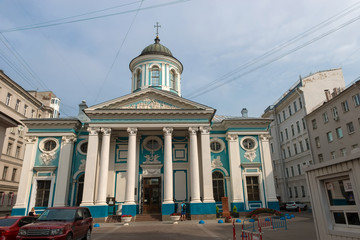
(101,203)
(129,209)
(203,209)
(274,205)
(18,212)
(167,208)
(98,211)
(84,204)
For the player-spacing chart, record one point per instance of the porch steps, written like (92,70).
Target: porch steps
(148,217)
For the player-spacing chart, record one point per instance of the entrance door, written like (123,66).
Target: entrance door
(80,188)
(151,195)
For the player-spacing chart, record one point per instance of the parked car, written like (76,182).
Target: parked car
(60,223)
(9,226)
(295,205)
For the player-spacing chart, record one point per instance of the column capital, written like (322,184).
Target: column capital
(231,137)
(106,131)
(93,130)
(265,137)
(167,130)
(193,130)
(205,129)
(132,131)
(68,139)
(30,139)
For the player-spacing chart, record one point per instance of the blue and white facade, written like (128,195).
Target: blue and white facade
(147,151)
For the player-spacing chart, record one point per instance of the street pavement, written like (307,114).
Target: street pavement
(300,227)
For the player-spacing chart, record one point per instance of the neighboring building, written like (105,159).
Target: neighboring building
(147,151)
(289,142)
(15,104)
(334,180)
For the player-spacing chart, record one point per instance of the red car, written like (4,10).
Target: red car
(9,226)
(60,223)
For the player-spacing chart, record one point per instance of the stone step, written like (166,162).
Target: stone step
(148,217)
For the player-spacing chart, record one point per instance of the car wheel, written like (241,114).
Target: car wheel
(88,235)
(69,237)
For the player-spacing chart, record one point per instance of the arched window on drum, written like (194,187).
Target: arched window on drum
(138,78)
(172,79)
(218,185)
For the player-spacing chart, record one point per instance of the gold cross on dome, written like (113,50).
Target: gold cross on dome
(157,26)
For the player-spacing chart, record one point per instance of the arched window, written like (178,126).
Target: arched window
(155,76)
(172,79)
(218,185)
(138,79)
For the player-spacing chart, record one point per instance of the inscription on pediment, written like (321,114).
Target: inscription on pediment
(149,103)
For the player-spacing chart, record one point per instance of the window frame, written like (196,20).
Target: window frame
(155,78)
(345,106)
(356,99)
(350,128)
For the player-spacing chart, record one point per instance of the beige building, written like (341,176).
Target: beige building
(16,104)
(289,142)
(334,179)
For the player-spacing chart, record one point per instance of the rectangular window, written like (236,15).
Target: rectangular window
(300,103)
(289,152)
(252,186)
(290,112)
(295,149)
(299,169)
(301,146)
(355,146)
(281,136)
(325,117)
(303,191)
(284,116)
(295,107)
(307,144)
(339,132)
(335,113)
(8,99)
(296,192)
(5,172)
(287,172)
(356,99)
(9,148)
(341,200)
(298,126)
(314,125)
(290,192)
(33,113)
(329,136)
(292,171)
(320,158)
(17,152)
(279,118)
(292,130)
(286,134)
(13,176)
(345,106)
(25,109)
(350,127)
(333,155)
(284,153)
(42,193)
(343,152)
(317,142)
(304,124)
(17,105)
(272,148)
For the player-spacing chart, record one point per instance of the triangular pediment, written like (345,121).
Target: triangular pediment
(151,99)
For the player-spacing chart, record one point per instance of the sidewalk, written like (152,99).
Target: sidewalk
(300,227)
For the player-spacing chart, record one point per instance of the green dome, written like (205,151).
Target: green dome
(156,48)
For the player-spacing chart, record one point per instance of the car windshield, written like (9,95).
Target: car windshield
(6,222)
(57,215)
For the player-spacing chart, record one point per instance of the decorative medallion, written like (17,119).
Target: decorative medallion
(216,163)
(149,103)
(47,158)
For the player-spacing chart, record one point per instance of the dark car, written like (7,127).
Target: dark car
(9,226)
(60,223)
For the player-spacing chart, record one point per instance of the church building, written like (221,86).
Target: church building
(148,151)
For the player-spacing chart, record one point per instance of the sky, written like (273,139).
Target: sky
(236,53)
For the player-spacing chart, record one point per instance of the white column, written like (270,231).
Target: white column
(235,169)
(194,166)
(206,165)
(63,173)
(90,169)
(26,173)
(131,167)
(268,170)
(104,167)
(168,169)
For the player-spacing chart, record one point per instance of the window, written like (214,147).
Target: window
(17,105)
(292,171)
(84,148)
(317,142)
(49,145)
(355,146)
(299,169)
(17,152)
(138,79)
(287,172)
(286,134)
(341,201)
(215,146)
(335,113)
(172,79)
(272,148)
(298,126)
(25,109)
(325,117)
(296,192)
(252,186)
(10,198)
(339,132)
(304,124)
(320,158)
(345,106)
(290,192)
(333,155)
(314,125)
(42,193)
(8,99)
(289,152)
(284,153)
(329,136)
(303,191)
(295,149)
(155,76)
(33,113)
(9,147)
(290,112)
(13,176)
(300,103)
(248,143)
(279,118)
(301,146)
(307,143)
(350,127)
(295,107)
(356,99)
(292,130)
(218,185)
(281,136)
(284,116)
(5,172)
(343,152)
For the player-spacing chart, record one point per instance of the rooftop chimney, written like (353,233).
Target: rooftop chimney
(244,113)
(81,115)
(327,95)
